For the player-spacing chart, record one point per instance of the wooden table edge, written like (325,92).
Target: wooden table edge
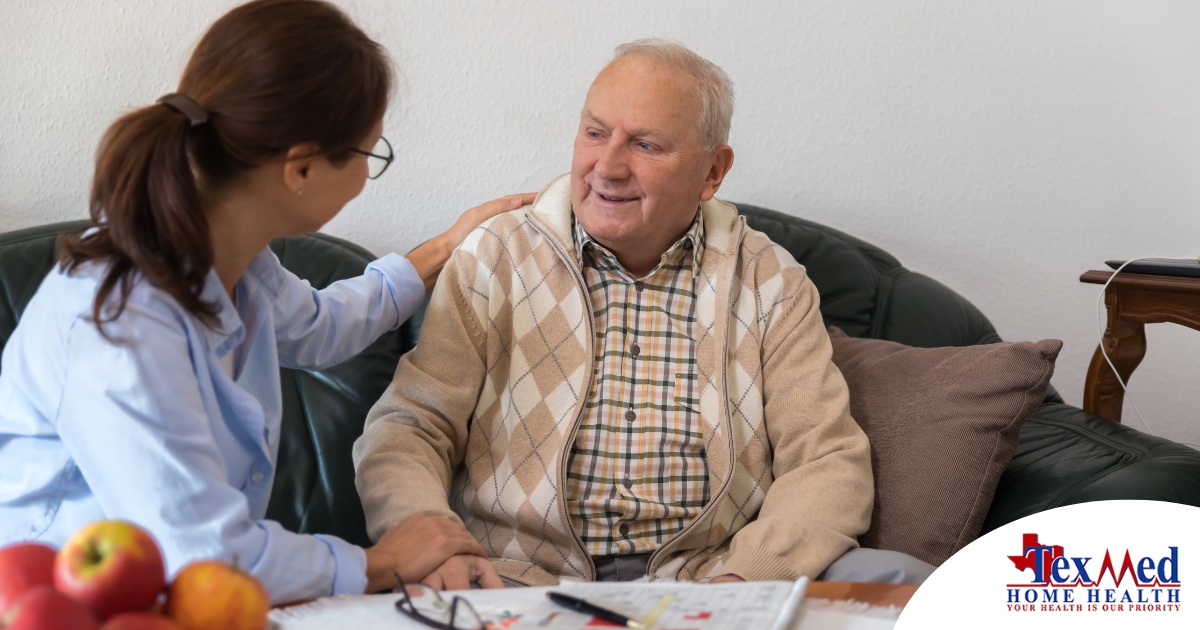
(872,593)
(1183,284)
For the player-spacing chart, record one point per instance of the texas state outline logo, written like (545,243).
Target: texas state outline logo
(1054,578)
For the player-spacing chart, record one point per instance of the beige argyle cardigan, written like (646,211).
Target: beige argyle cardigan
(485,409)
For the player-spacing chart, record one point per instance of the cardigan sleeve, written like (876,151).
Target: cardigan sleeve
(821,496)
(416,434)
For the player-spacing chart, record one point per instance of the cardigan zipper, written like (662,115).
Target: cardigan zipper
(566,452)
(729,430)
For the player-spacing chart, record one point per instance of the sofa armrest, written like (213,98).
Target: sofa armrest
(1067,455)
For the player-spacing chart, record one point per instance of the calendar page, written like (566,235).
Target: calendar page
(677,606)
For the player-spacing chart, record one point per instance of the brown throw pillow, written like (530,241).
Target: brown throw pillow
(943,424)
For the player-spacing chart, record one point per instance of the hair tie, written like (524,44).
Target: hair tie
(186,106)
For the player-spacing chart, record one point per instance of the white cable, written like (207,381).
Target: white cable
(1100,333)
(1104,353)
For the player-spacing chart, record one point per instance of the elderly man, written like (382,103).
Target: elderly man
(625,380)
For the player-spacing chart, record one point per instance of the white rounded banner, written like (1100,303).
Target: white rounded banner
(1106,564)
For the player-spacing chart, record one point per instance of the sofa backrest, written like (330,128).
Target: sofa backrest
(866,292)
(26,256)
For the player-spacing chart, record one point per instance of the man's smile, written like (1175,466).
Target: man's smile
(614,198)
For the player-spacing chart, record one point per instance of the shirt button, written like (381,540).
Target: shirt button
(630,415)
(635,350)
(628,483)
(624,529)
(256,477)
(639,286)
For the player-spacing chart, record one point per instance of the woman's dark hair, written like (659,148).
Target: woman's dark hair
(272,74)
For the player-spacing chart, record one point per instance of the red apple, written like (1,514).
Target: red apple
(207,595)
(139,621)
(22,567)
(43,608)
(111,567)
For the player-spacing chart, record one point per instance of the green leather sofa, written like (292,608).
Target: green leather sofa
(1065,455)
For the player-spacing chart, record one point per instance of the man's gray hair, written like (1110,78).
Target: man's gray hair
(716,88)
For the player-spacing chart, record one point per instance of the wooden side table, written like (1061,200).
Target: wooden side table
(1133,300)
(865,592)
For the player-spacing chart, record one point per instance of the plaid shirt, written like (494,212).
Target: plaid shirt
(637,474)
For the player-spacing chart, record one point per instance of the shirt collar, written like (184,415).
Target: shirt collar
(694,235)
(226,330)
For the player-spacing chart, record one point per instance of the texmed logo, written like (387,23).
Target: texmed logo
(1057,579)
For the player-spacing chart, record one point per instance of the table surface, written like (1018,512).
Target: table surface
(865,592)
(875,594)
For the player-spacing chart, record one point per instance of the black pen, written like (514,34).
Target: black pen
(579,605)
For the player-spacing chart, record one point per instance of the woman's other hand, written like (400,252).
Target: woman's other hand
(430,257)
(459,572)
(415,547)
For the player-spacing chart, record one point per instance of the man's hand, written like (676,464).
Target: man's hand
(725,579)
(415,547)
(459,572)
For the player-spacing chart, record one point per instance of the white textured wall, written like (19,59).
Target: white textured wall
(1000,147)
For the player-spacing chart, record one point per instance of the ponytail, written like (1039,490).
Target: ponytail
(267,76)
(146,215)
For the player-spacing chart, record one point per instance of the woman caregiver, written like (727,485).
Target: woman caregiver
(143,380)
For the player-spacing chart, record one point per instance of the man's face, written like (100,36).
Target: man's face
(640,169)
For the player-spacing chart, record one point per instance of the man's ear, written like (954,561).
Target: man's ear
(297,165)
(722,161)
